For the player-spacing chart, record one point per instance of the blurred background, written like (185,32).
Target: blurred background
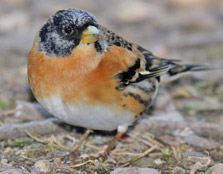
(179,29)
(190,30)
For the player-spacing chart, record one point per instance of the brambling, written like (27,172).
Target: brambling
(87,76)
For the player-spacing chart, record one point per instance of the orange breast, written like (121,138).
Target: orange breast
(83,77)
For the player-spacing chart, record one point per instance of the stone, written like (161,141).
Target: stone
(201,142)
(217,168)
(171,116)
(135,170)
(15,171)
(30,111)
(42,166)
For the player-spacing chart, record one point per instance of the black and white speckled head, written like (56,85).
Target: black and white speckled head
(62,32)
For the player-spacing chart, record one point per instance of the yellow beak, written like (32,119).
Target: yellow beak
(90,35)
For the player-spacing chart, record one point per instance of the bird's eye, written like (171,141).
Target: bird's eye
(68,29)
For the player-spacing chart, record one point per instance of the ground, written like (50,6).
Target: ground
(182,133)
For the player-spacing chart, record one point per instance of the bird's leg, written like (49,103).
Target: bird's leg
(75,149)
(120,131)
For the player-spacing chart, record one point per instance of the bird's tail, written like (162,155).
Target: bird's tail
(177,70)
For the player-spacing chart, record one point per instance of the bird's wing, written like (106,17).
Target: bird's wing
(145,65)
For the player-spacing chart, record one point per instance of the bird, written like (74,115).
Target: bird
(88,76)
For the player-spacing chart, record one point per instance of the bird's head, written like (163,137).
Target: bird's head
(67,29)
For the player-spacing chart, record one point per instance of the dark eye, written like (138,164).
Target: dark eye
(68,29)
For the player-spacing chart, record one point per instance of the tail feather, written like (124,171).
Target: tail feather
(186,68)
(177,71)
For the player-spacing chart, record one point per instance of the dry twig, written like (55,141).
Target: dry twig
(140,156)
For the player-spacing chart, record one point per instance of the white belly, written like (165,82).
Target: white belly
(93,117)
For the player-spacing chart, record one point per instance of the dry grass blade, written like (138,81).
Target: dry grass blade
(35,138)
(92,146)
(153,141)
(124,154)
(81,164)
(51,141)
(59,145)
(27,158)
(142,140)
(140,155)
(199,166)
(177,152)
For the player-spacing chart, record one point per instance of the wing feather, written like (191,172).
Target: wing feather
(147,65)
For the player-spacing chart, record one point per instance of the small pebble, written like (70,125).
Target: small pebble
(218,168)
(159,161)
(135,170)
(42,166)
(4,160)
